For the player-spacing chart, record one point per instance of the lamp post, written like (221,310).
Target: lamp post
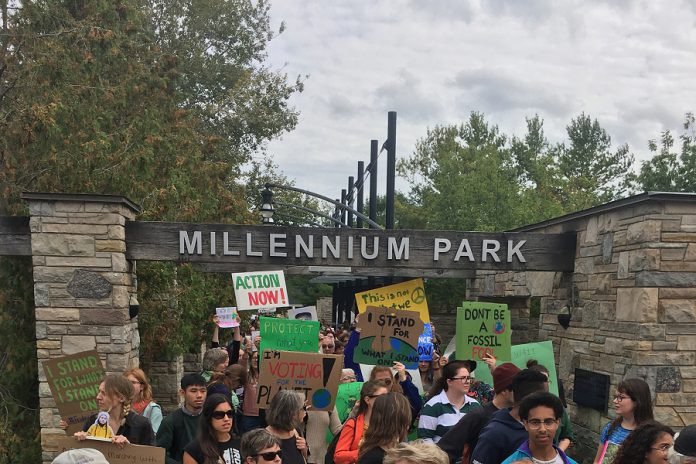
(267,205)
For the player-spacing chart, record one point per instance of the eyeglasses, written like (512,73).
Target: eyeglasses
(270,456)
(464,378)
(375,396)
(619,398)
(385,381)
(663,447)
(219,415)
(535,424)
(328,347)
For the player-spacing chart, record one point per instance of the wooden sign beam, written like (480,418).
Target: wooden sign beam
(15,238)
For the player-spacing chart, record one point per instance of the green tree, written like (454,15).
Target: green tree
(669,170)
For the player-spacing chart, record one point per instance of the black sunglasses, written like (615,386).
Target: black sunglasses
(271,455)
(221,414)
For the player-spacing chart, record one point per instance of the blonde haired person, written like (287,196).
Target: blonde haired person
(143,404)
(418,452)
(115,396)
(391,417)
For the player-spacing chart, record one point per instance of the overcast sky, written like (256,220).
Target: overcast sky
(630,64)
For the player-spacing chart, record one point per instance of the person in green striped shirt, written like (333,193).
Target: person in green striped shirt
(449,403)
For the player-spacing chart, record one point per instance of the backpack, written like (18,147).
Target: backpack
(331,449)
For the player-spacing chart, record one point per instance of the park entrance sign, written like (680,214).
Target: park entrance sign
(222,248)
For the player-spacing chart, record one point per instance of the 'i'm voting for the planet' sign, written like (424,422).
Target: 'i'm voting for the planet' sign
(262,289)
(483,329)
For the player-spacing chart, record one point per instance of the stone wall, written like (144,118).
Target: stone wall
(632,305)
(82,288)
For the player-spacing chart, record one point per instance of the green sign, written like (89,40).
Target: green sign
(289,335)
(483,329)
(542,352)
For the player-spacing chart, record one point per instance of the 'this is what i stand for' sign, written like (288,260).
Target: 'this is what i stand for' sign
(483,329)
(262,289)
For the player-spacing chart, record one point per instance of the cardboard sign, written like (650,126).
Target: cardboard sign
(315,374)
(129,454)
(482,329)
(289,335)
(227,317)
(387,336)
(425,344)
(74,382)
(409,295)
(347,396)
(261,289)
(306,313)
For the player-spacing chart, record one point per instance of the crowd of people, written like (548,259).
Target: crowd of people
(457,419)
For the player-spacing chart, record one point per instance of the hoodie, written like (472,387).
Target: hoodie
(523,453)
(499,439)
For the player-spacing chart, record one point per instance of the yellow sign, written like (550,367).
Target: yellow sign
(408,295)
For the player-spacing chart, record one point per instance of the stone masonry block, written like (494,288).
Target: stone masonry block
(644,260)
(80,229)
(77,343)
(57,314)
(636,304)
(679,311)
(62,245)
(78,261)
(686,343)
(644,231)
(111,245)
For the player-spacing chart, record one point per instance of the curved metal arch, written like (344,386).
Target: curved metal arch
(309,210)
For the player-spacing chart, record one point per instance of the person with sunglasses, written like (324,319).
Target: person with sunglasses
(260,447)
(214,442)
(285,417)
(649,443)
(448,402)
(541,415)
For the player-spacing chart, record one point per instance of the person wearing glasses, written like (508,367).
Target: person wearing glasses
(352,432)
(285,416)
(448,403)
(214,442)
(541,415)
(143,403)
(260,447)
(633,406)
(650,443)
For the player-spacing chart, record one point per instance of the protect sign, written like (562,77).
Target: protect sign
(483,329)
(289,335)
(409,295)
(262,289)
(74,382)
(316,375)
(387,336)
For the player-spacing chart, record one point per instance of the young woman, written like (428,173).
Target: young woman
(633,407)
(399,383)
(389,423)
(143,403)
(230,382)
(564,435)
(115,396)
(354,428)
(260,447)
(448,402)
(284,417)
(214,442)
(648,444)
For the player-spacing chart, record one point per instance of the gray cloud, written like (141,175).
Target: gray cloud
(408,97)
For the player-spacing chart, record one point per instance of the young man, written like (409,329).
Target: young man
(504,433)
(541,414)
(460,440)
(179,428)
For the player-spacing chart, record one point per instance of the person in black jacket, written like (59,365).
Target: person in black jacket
(461,439)
(505,433)
(115,396)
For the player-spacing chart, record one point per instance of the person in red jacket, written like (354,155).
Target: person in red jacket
(352,432)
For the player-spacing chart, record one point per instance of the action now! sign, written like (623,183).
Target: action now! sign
(262,289)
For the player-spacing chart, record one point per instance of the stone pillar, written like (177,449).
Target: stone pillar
(82,287)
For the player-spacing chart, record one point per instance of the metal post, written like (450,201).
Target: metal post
(374,154)
(337,214)
(344,201)
(391,167)
(349,198)
(361,181)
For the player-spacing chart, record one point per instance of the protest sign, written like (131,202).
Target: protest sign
(129,454)
(262,311)
(483,329)
(347,396)
(425,344)
(289,335)
(227,317)
(261,289)
(409,295)
(387,336)
(74,382)
(306,313)
(316,375)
